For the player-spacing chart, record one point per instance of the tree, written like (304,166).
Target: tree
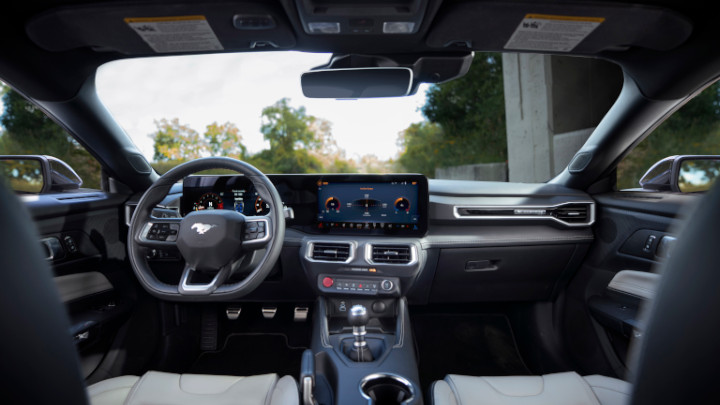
(287,128)
(28,131)
(289,132)
(470,115)
(424,146)
(331,156)
(225,140)
(176,142)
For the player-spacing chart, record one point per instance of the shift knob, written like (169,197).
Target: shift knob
(358,316)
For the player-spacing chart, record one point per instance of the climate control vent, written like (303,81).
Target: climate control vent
(391,254)
(572,213)
(330,252)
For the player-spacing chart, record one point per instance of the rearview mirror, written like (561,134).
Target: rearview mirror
(684,173)
(357,82)
(37,174)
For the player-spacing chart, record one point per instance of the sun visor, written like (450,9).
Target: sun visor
(568,28)
(146,29)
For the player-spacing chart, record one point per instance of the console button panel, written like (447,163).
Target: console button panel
(347,284)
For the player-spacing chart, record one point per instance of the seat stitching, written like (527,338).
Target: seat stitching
(134,389)
(273,384)
(454,389)
(542,388)
(609,389)
(586,386)
(180,378)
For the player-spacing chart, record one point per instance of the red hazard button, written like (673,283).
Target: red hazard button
(328,282)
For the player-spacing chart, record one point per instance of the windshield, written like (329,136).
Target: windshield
(251,107)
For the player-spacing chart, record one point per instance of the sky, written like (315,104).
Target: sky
(203,89)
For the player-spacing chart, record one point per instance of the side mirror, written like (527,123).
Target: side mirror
(683,173)
(38,174)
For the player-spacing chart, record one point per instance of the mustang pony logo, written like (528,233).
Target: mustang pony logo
(202,228)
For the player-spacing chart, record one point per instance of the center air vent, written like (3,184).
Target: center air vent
(572,213)
(330,252)
(391,254)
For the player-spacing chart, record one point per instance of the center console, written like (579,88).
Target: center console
(364,357)
(360,267)
(360,250)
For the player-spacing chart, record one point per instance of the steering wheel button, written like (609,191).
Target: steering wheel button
(152,237)
(260,235)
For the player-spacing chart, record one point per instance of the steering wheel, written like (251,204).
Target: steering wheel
(213,242)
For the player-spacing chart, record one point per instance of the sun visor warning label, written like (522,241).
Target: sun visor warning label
(176,34)
(554,33)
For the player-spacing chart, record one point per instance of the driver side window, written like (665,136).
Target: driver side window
(26,130)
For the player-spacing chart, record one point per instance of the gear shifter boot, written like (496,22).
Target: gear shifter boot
(360,354)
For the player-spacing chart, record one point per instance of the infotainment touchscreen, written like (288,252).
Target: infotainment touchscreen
(397,205)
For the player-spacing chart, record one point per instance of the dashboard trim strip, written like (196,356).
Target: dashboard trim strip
(590,220)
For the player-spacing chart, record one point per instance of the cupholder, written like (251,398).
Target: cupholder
(387,389)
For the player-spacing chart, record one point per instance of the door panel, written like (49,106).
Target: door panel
(84,239)
(634,232)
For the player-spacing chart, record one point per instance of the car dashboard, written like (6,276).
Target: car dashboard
(364,235)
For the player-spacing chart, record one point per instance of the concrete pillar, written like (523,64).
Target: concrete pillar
(528,114)
(552,104)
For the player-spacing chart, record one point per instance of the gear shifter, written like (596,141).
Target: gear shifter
(358,317)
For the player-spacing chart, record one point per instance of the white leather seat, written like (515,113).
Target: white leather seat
(156,388)
(551,389)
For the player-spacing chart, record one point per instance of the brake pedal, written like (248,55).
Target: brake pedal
(233,313)
(269,312)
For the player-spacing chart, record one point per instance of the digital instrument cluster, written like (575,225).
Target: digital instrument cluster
(222,193)
(333,204)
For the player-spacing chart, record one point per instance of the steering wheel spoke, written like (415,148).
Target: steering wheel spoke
(186,287)
(159,233)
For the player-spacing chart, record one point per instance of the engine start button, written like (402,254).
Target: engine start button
(327,282)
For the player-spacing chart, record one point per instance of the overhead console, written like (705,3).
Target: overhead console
(321,17)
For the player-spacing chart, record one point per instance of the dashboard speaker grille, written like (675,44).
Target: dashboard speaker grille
(392,254)
(330,252)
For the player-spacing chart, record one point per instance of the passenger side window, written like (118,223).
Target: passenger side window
(26,130)
(690,138)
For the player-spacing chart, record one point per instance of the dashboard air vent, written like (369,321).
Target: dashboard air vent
(572,213)
(330,252)
(392,254)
